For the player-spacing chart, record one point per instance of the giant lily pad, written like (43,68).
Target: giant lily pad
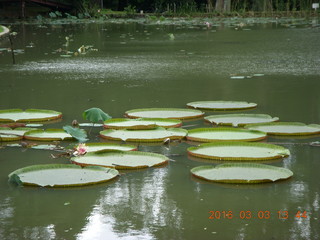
(173,113)
(95,147)
(224,134)
(239,151)
(241,173)
(222,105)
(286,128)
(122,160)
(240,119)
(47,135)
(153,135)
(61,175)
(17,131)
(29,115)
(141,123)
(9,137)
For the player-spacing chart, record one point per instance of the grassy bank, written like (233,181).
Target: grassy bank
(123,14)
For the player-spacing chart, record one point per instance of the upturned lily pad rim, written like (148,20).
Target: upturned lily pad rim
(253,126)
(40,167)
(177,137)
(241,165)
(250,105)
(9,137)
(211,118)
(56,114)
(199,113)
(164,159)
(230,129)
(28,135)
(284,152)
(133,148)
(15,130)
(172,123)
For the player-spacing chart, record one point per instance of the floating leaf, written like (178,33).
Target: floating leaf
(29,115)
(79,134)
(34,125)
(222,105)
(122,160)
(7,138)
(237,77)
(241,173)
(286,128)
(14,178)
(240,119)
(62,175)
(46,147)
(141,123)
(90,124)
(239,151)
(16,131)
(174,113)
(47,135)
(224,134)
(95,147)
(95,115)
(153,135)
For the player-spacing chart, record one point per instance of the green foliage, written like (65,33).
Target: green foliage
(95,115)
(79,134)
(52,15)
(130,9)
(69,16)
(14,178)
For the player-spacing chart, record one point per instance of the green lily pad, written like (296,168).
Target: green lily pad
(95,147)
(240,119)
(221,105)
(8,137)
(286,128)
(47,135)
(224,134)
(239,151)
(241,173)
(122,160)
(61,175)
(29,115)
(77,133)
(141,123)
(172,113)
(151,135)
(90,124)
(95,115)
(17,131)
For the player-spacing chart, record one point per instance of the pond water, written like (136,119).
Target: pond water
(140,65)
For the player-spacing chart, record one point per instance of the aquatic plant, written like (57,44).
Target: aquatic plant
(54,175)
(95,115)
(79,134)
(241,173)
(81,149)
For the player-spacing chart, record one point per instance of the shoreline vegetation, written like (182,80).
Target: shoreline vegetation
(107,14)
(154,9)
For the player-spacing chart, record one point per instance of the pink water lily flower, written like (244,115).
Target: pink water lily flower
(81,149)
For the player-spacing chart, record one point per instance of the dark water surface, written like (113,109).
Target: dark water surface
(138,66)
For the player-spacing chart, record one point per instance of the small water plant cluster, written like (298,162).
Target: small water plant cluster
(236,142)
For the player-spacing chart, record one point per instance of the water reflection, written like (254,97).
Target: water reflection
(134,209)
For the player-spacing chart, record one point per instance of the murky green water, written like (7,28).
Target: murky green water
(138,66)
